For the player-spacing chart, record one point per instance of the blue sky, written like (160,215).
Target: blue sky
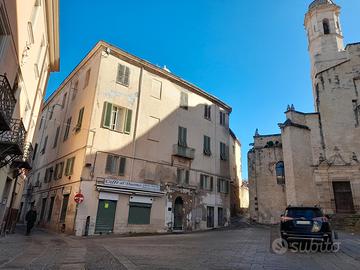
(251,54)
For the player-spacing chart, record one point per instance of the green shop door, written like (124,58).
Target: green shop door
(105,216)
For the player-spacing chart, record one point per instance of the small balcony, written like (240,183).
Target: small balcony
(24,161)
(12,141)
(183,151)
(7,103)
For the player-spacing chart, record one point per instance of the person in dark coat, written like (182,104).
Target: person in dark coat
(30,218)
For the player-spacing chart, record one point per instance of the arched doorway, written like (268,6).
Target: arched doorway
(178,213)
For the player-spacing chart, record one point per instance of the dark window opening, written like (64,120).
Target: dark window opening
(326,26)
(280,173)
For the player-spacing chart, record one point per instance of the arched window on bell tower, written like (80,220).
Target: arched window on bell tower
(326,26)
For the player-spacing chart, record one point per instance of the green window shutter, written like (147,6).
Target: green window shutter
(201,181)
(80,118)
(67,167)
(56,171)
(187,177)
(122,166)
(107,114)
(211,183)
(218,184)
(182,133)
(184,100)
(128,121)
(204,149)
(64,208)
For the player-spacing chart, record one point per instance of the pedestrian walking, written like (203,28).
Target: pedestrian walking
(30,219)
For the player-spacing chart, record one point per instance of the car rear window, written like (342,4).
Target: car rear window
(307,213)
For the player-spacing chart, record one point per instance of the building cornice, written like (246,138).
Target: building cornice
(52,21)
(134,60)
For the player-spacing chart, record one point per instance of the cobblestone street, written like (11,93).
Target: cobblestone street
(247,248)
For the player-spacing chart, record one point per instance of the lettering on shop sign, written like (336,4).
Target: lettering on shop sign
(132,185)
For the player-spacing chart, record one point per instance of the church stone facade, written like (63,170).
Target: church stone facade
(314,160)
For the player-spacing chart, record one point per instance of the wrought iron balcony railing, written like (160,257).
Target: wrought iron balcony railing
(7,103)
(183,151)
(25,160)
(12,141)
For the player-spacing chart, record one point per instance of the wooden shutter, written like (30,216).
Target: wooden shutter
(128,121)
(184,100)
(122,166)
(61,169)
(211,183)
(56,171)
(205,111)
(120,74)
(109,162)
(107,114)
(187,176)
(72,165)
(56,136)
(67,167)
(182,136)
(178,175)
(218,184)
(202,181)
(126,76)
(80,118)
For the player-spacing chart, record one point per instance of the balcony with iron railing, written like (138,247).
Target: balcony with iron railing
(7,103)
(183,151)
(25,160)
(12,141)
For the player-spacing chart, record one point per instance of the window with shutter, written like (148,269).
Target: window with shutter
(87,78)
(222,118)
(182,134)
(80,118)
(117,118)
(183,176)
(206,182)
(44,145)
(223,185)
(223,151)
(207,147)
(123,75)
(207,112)
(184,100)
(67,129)
(128,121)
(56,136)
(122,166)
(69,168)
(111,164)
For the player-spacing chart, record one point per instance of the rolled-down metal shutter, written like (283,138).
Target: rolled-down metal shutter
(105,216)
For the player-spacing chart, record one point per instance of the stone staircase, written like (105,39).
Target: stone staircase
(346,222)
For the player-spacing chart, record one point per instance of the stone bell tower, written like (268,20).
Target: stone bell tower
(326,45)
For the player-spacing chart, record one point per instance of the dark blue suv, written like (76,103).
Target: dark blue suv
(305,223)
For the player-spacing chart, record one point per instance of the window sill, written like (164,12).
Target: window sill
(117,131)
(123,84)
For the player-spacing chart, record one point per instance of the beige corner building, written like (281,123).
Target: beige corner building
(315,158)
(148,151)
(29,51)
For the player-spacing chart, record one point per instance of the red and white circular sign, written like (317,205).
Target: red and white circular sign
(79,198)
